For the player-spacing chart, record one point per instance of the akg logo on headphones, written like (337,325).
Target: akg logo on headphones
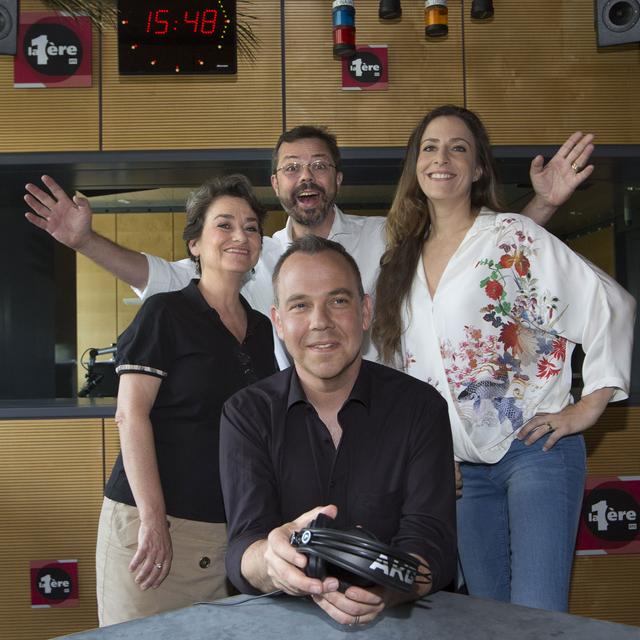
(52,49)
(393,569)
(611,514)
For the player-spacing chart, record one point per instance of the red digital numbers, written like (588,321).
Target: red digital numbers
(209,22)
(157,17)
(193,21)
(203,22)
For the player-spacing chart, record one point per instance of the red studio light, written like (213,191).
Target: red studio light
(344,28)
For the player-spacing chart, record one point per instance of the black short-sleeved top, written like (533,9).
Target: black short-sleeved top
(178,337)
(392,472)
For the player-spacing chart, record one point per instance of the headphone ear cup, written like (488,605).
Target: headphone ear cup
(316,567)
(322,521)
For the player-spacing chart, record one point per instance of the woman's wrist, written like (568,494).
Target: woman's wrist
(594,403)
(156,518)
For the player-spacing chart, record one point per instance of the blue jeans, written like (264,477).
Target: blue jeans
(517,523)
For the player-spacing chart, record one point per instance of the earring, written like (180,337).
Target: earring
(196,259)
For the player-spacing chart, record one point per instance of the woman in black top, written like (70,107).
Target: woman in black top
(162,536)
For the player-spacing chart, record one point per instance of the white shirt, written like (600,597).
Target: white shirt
(361,236)
(497,337)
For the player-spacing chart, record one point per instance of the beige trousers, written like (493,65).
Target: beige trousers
(197,569)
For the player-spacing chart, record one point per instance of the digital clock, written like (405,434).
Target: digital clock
(177,37)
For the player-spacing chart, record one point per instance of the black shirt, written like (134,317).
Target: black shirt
(177,336)
(392,472)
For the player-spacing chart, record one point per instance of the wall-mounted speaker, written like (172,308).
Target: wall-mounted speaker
(8,26)
(617,22)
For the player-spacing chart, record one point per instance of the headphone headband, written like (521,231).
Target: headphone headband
(357,552)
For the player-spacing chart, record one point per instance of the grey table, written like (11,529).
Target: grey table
(443,616)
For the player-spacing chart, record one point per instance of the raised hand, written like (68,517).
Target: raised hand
(66,219)
(556,181)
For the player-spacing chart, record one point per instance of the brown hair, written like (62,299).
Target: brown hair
(304,132)
(199,201)
(408,222)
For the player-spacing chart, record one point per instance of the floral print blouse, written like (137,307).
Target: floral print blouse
(497,337)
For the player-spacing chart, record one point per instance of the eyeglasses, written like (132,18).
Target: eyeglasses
(317,168)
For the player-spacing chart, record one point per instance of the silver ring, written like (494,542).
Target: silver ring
(158,565)
(550,427)
(356,621)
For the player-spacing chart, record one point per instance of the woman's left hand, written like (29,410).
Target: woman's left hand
(574,418)
(152,560)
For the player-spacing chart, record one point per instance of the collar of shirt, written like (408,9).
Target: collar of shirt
(195,297)
(361,391)
(485,218)
(343,225)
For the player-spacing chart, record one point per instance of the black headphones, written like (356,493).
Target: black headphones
(354,556)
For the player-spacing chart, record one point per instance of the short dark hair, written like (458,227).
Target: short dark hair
(311,245)
(199,201)
(302,133)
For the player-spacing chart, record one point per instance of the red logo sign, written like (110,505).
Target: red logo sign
(367,70)
(610,516)
(53,51)
(54,583)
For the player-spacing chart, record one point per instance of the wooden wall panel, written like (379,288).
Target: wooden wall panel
(598,247)
(274,221)
(179,249)
(607,587)
(422,73)
(50,497)
(48,119)
(613,443)
(196,112)
(96,298)
(535,74)
(148,232)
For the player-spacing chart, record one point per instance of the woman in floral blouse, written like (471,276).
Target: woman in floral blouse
(488,307)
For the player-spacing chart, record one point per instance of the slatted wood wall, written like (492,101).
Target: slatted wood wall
(608,587)
(533,72)
(48,119)
(51,482)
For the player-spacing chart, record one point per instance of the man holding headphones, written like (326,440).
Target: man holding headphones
(335,435)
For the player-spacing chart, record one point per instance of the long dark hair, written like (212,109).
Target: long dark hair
(407,225)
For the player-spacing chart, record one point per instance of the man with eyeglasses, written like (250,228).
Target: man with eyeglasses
(306,177)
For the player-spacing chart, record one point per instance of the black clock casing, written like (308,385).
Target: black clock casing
(177,37)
